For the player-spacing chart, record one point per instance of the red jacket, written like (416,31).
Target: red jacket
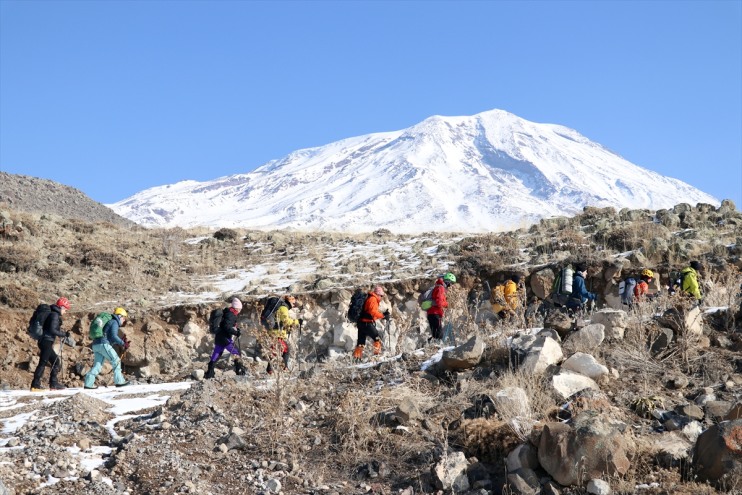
(371,311)
(439,298)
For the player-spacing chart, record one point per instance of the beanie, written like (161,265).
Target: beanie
(237,304)
(695,265)
(515,278)
(581,267)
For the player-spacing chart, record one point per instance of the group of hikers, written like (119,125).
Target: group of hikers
(278,322)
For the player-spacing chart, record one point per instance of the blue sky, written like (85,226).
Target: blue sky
(115,97)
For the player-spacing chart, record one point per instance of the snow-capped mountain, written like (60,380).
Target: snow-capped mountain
(485,172)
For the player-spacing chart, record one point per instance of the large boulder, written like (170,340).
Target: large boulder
(541,282)
(717,455)
(567,383)
(615,322)
(585,364)
(586,339)
(593,448)
(465,356)
(450,473)
(544,352)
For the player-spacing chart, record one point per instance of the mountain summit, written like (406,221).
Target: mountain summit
(485,172)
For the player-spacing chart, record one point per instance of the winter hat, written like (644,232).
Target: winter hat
(580,267)
(695,265)
(515,278)
(237,304)
(379,291)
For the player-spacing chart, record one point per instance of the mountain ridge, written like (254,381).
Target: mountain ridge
(490,171)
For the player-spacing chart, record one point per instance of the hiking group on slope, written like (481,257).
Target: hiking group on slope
(279,324)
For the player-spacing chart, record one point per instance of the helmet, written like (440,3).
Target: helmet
(450,278)
(121,312)
(379,291)
(647,273)
(62,302)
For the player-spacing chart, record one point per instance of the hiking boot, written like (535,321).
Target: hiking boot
(358,352)
(37,388)
(377,347)
(90,388)
(57,386)
(210,370)
(239,369)
(122,384)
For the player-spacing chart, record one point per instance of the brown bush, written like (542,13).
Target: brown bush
(79,226)
(18,297)
(14,259)
(226,234)
(53,273)
(91,256)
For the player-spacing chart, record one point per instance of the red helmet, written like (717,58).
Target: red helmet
(62,302)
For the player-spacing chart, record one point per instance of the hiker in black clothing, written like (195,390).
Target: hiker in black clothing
(47,356)
(223,340)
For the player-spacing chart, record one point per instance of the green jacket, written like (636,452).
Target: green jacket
(690,282)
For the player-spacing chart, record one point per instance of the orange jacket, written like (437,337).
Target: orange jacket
(371,311)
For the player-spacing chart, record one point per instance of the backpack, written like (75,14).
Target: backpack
(267,316)
(36,323)
(626,290)
(215,320)
(498,296)
(676,280)
(562,285)
(425,299)
(97,325)
(355,308)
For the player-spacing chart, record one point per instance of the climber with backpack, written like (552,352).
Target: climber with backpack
(689,281)
(104,331)
(223,340)
(504,298)
(51,326)
(579,295)
(280,324)
(366,322)
(439,305)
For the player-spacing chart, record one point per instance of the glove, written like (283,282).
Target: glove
(67,334)
(301,321)
(126,344)
(387,314)
(238,332)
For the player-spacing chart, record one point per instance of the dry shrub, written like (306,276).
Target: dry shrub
(16,296)
(541,401)
(79,226)
(53,273)
(88,255)
(488,440)
(15,259)
(226,234)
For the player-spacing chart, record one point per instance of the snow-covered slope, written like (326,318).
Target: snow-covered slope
(485,172)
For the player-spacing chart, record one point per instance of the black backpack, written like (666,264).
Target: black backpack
(355,309)
(215,320)
(36,323)
(268,315)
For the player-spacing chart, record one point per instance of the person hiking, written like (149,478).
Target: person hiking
(689,280)
(103,350)
(283,326)
(47,356)
(223,340)
(505,298)
(366,324)
(580,295)
(641,290)
(440,303)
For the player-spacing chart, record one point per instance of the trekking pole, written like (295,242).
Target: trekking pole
(387,336)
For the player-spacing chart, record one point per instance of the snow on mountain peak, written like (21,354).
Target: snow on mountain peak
(487,172)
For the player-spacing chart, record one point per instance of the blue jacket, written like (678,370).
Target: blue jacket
(579,291)
(111,332)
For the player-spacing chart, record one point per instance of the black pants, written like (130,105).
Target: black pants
(436,326)
(47,356)
(367,329)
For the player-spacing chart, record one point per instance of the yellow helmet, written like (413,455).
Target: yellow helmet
(121,312)
(647,273)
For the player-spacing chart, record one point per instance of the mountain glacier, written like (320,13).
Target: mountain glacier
(487,172)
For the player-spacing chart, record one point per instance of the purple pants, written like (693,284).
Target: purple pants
(219,350)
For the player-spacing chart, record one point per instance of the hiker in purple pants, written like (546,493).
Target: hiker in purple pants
(224,342)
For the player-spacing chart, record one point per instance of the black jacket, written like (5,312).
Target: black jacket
(53,325)
(227,327)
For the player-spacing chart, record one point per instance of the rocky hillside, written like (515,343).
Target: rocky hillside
(42,196)
(640,401)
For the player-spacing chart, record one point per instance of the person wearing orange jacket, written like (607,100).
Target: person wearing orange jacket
(367,322)
(440,303)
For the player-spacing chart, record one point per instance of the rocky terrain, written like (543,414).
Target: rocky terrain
(645,400)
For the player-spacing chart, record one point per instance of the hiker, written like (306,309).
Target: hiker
(223,339)
(641,290)
(366,324)
(440,303)
(103,350)
(505,298)
(47,356)
(580,295)
(282,327)
(689,280)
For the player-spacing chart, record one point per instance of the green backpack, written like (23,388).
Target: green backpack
(97,325)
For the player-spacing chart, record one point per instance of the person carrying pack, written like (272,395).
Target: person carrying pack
(579,295)
(689,280)
(561,289)
(366,323)
(36,324)
(505,297)
(223,341)
(627,289)
(440,303)
(104,330)
(283,325)
(51,329)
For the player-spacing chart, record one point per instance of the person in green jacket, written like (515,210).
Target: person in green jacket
(689,277)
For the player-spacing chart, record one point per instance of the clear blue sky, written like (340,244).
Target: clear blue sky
(115,97)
